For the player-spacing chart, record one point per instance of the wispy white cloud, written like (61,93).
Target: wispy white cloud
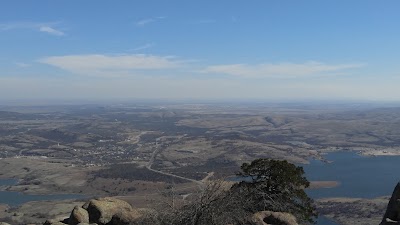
(132,64)
(111,65)
(144,22)
(147,21)
(311,68)
(49,28)
(142,47)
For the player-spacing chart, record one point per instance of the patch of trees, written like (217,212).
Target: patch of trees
(148,138)
(219,165)
(129,171)
(55,135)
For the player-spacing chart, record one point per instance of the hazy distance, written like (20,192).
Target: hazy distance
(274,50)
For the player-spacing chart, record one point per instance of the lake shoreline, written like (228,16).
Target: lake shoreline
(353,171)
(323,184)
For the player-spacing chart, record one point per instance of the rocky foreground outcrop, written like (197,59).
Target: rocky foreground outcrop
(392,215)
(273,218)
(112,211)
(101,211)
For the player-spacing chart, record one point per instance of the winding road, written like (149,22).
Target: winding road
(151,161)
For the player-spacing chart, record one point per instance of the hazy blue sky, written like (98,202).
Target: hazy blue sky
(203,49)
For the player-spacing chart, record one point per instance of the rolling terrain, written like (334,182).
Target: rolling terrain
(140,151)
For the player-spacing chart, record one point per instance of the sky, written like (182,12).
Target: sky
(205,49)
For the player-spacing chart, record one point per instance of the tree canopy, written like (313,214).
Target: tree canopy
(275,185)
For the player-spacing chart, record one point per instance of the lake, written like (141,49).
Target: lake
(16,198)
(359,176)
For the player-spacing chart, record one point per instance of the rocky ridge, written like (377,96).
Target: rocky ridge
(112,211)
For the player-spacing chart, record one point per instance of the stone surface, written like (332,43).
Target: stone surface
(53,222)
(78,215)
(3,223)
(101,211)
(273,218)
(110,211)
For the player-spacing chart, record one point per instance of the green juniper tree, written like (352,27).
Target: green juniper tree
(275,185)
